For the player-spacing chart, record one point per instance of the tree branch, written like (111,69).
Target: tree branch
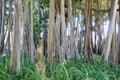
(96,10)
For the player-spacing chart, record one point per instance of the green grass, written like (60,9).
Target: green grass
(70,70)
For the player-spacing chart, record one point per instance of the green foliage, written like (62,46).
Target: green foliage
(70,70)
(27,71)
(44,3)
(77,70)
(40,23)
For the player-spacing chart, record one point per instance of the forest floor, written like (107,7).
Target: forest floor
(70,70)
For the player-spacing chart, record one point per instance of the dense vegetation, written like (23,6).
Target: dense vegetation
(70,70)
(59,40)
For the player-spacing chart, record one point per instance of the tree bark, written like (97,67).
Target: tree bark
(64,47)
(10,22)
(28,42)
(31,33)
(88,9)
(2,14)
(15,55)
(51,30)
(60,35)
(45,37)
(57,36)
(71,29)
(107,45)
(113,47)
(118,37)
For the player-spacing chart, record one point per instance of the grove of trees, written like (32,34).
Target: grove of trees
(63,30)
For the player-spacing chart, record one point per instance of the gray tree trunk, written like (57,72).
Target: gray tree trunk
(10,22)
(118,36)
(26,32)
(113,47)
(15,55)
(64,46)
(31,32)
(107,45)
(57,36)
(2,14)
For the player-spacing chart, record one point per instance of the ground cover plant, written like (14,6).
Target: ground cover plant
(70,70)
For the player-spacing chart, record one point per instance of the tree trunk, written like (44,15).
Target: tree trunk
(71,29)
(88,7)
(107,45)
(31,32)
(73,45)
(45,37)
(51,30)
(2,14)
(99,31)
(15,55)
(57,36)
(26,32)
(118,37)
(28,42)
(64,46)
(10,22)
(113,47)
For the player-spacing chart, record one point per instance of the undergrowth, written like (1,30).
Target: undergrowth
(70,70)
